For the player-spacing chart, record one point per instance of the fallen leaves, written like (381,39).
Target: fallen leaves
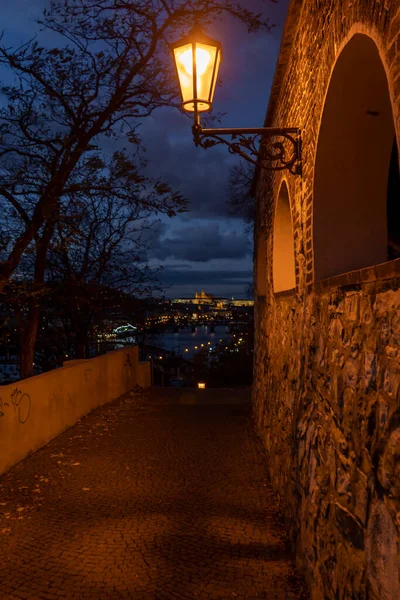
(5,530)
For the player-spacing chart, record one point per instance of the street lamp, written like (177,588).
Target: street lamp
(197,58)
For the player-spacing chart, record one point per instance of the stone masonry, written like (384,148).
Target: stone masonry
(327,360)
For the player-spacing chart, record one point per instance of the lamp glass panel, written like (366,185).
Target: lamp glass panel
(184,66)
(214,83)
(205,60)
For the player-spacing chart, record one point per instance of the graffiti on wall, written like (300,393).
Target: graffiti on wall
(20,403)
(128,362)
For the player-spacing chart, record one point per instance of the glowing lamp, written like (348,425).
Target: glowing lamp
(197,58)
(201,386)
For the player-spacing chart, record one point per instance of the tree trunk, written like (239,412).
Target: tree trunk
(28,340)
(81,339)
(30,328)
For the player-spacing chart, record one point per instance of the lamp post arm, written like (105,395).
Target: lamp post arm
(255,145)
(251,131)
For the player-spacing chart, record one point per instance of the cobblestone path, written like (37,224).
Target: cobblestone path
(154,496)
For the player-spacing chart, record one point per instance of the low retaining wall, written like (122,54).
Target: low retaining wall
(35,410)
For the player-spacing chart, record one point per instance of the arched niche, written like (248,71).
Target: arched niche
(354,181)
(261,263)
(283,255)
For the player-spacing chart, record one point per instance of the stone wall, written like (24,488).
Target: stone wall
(35,410)
(331,427)
(327,365)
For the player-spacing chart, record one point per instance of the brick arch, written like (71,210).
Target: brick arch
(283,260)
(354,149)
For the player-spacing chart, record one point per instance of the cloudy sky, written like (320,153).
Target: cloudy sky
(206,248)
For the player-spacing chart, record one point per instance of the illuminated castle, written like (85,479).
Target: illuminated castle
(204,296)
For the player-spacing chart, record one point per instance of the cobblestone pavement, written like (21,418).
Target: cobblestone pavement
(155,496)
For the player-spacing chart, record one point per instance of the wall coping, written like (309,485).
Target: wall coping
(285,293)
(386,270)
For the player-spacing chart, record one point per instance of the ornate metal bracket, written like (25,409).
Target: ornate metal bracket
(255,145)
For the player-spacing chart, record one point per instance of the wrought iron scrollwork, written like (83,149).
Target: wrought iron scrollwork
(257,145)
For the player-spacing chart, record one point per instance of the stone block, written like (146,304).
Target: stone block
(370,371)
(361,497)
(349,526)
(381,553)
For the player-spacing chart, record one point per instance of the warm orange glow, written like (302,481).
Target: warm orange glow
(207,59)
(203,58)
(201,386)
(185,77)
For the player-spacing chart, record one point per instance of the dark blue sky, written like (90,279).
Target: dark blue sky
(206,248)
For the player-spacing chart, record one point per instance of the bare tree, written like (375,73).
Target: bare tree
(111,69)
(96,246)
(99,248)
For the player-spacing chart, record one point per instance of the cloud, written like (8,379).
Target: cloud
(223,283)
(184,276)
(203,242)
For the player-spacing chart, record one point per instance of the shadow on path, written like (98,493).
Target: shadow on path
(151,497)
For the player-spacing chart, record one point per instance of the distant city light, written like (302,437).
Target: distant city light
(201,386)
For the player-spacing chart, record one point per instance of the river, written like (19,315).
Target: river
(187,342)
